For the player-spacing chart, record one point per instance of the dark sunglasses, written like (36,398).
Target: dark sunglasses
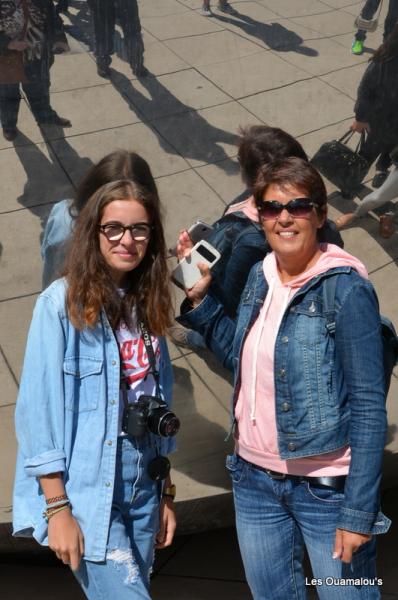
(299,208)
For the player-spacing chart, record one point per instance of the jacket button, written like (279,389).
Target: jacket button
(113,362)
(285,406)
(285,339)
(109,442)
(108,484)
(112,402)
(282,372)
(291,447)
(293,309)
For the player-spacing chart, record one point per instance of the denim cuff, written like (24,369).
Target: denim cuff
(52,461)
(195,317)
(359,521)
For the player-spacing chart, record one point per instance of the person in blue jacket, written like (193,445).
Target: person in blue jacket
(88,479)
(308,410)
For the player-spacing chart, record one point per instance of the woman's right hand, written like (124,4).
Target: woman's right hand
(359,126)
(19,45)
(66,539)
(196,293)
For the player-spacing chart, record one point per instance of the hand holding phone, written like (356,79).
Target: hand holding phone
(186,274)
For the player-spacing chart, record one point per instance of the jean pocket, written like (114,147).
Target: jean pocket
(324,494)
(236,467)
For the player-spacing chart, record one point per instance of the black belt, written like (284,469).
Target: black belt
(337,482)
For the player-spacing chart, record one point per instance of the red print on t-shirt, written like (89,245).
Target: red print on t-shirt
(134,357)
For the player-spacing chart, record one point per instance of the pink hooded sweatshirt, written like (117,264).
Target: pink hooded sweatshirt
(256,437)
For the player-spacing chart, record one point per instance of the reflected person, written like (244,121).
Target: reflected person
(27,30)
(105,13)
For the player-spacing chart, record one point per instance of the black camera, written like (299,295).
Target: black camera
(149,414)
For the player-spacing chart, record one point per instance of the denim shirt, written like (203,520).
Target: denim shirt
(329,390)
(67,420)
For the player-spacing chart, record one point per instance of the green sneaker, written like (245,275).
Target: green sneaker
(357,47)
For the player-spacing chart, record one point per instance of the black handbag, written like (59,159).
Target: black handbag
(344,167)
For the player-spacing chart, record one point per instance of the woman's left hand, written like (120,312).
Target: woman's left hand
(347,543)
(168,523)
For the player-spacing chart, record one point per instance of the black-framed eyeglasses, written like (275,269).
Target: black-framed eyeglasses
(140,232)
(299,208)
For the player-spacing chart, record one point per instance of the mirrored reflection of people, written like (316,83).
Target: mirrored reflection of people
(238,235)
(105,13)
(308,406)
(97,492)
(376,199)
(376,107)
(58,230)
(26,39)
(368,12)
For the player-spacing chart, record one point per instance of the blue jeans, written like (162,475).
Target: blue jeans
(275,519)
(134,522)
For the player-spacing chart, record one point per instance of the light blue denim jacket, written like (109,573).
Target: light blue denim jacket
(67,419)
(329,390)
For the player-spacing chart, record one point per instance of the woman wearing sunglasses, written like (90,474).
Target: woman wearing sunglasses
(93,420)
(308,404)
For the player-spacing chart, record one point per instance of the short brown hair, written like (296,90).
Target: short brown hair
(294,172)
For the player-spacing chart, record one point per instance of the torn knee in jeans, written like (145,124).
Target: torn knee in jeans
(125,559)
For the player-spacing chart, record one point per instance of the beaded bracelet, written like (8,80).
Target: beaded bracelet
(56,499)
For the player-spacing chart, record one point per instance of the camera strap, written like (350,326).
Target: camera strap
(146,337)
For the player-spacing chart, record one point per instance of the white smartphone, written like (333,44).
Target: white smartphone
(186,273)
(197,231)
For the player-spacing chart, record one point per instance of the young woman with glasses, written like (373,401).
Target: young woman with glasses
(93,447)
(119,164)
(308,404)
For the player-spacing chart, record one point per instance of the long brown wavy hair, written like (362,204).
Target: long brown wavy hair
(90,285)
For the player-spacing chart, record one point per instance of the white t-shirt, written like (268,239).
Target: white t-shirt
(135,365)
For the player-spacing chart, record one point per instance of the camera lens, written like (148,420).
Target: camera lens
(169,425)
(163,422)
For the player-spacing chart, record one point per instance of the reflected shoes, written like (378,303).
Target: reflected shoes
(357,47)
(379,178)
(139,71)
(386,225)
(345,220)
(55,120)
(10,133)
(225,7)
(179,335)
(103,69)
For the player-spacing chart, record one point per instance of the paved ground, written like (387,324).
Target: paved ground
(205,566)
(282,62)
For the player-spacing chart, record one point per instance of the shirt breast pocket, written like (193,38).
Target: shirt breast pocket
(310,327)
(82,377)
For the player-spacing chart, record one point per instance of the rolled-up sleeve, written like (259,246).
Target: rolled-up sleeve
(39,415)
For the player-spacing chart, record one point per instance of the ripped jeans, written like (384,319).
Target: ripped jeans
(134,523)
